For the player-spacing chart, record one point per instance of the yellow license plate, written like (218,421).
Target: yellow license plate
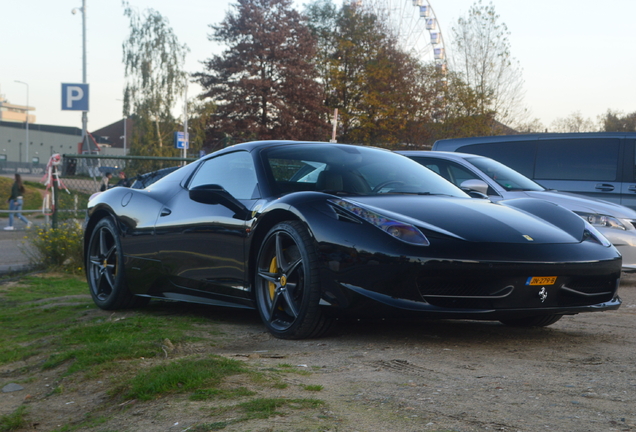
(541,280)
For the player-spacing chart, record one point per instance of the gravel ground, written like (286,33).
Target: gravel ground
(576,375)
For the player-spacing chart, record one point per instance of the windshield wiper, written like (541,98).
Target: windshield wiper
(339,192)
(412,193)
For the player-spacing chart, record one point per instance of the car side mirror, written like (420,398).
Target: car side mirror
(475,185)
(215,194)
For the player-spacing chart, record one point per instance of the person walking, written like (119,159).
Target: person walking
(16,201)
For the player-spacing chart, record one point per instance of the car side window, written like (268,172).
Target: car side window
(233,171)
(577,159)
(460,174)
(451,171)
(518,155)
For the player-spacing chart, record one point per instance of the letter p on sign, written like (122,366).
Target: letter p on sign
(74,97)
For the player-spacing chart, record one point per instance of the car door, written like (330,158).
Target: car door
(628,186)
(202,246)
(588,166)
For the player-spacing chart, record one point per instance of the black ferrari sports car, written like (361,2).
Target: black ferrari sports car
(307,232)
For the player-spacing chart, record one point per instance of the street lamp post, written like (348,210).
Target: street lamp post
(26,157)
(84,116)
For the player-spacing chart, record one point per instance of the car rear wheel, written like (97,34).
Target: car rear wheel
(105,271)
(535,321)
(287,285)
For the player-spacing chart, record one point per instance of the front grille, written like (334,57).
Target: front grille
(463,287)
(591,285)
(483,285)
(463,292)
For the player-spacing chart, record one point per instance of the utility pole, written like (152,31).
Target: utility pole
(85,141)
(84,115)
(185,123)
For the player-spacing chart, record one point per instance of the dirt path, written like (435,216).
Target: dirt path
(577,375)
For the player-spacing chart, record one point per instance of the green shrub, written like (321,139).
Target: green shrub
(58,248)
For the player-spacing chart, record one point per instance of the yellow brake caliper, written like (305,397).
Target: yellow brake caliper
(272,287)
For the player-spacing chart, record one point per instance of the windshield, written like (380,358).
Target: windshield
(351,170)
(507,178)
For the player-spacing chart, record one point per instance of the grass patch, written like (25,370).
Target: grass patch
(180,376)
(50,322)
(207,394)
(54,316)
(13,421)
(105,341)
(258,409)
(29,317)
(207,427)
(266,407)
(42,287)
(314,388)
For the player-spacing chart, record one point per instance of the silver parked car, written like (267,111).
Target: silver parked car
(498,181)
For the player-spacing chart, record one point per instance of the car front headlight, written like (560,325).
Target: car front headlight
(395,228)
(598,220)
(592,234)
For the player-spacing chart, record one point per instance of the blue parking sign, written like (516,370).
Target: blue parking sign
(74,97)
(181,141)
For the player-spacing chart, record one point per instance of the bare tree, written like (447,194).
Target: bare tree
(533,126)
(575,122)
(481,55)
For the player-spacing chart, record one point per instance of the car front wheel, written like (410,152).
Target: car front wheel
(287,285)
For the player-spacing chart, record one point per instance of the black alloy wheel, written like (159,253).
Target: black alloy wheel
(287,286)
(105,271)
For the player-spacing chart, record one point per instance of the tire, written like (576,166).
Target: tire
(534,321)
(287,289)
(105,270)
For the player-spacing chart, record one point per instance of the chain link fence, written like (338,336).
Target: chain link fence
(79,177)
(83,173)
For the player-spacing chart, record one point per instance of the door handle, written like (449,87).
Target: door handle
(632,188)
(604,187)
(165,211)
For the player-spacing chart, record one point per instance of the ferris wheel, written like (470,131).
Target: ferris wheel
(415,26)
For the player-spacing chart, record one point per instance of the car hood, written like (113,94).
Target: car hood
(513,221)
(580,203)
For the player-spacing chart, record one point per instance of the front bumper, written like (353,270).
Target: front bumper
(470,288)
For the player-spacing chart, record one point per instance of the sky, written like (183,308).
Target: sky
(576,55)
